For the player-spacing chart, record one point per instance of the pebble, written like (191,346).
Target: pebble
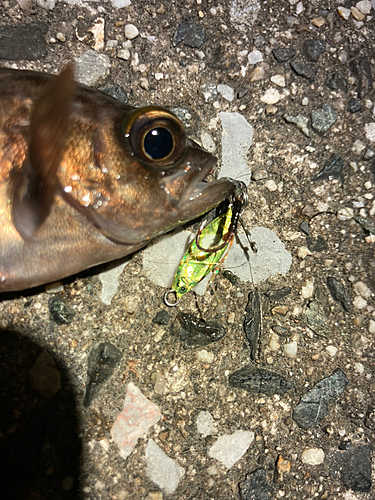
(109,280)
(359,368)
(159,382)
(278,80)
(191,33)
(358,147)
(371,327)
(283,54)
(137,416)
(257,74)
(324,118)
(318,21)
(313,456)
(337,82)
(161,469)
(226,92)
(357,14)
(131,31)
(305,70)
(91,66)
(362,289)
(270,185)
(54,287)
(303,252)
(207,142)
(272,96)
(331,350)
(274,343)
(154,495)
(343,12)
(205,423)
(300,121)
(208,91)
(60,312)
(359,302)
(205,356)
(119,4)
(291,349)
(254,57)
(256,487)
(312,49)
(307,289)
(332,169)
(123,54)
(370,131)
(44,377)
(364,6)
(229,448)
(46,4)
(280,310)
(339,292)
(259,381)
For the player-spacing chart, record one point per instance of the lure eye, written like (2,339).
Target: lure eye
(156,137)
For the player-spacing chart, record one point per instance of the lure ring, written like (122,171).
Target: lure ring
(211,250)
(167,302)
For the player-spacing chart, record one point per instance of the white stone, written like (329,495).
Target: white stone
(109,279)
(205,356)
(161,469)
(358,147)
(271,259)
(359,302)
(364,6)
(270,185)
(362,289)
(371,327)
(274,343)
(272,96)
(278,80)
(207,142)
(91,66)
(307,290)
(370,131)
(359,368)
(343,12)
(257,74)
(331,350)
(291,349)
(123,54)
(205,423)
(237,138)
(226,92)
(131,31)
(119,4)
(159,76)
(54,287)
(313,456)
(97,30)
(228,449)
(254,57)
(46,4)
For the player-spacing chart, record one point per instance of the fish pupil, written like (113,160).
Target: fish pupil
(158,143)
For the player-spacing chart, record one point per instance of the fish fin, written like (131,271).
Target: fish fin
(34,186)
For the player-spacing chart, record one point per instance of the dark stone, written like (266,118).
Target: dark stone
(60,312)
(312,49)
(345,444)
(353,467)
(117,92)
(242,92)
(316,318)
(23,42)
(283,55)
(259,41)
(323,119)
(337,82)
(281,330)
(195,331)
(277,295)
(161,318)
(304,227)
(190,33)
(354,105)
(231,277)
(362,69)
(305,70)
(313,406)
(332,169)
(365,223)
(316,244)
(253,323)
(339,293)
(255,487)
(102,362)
(259,381)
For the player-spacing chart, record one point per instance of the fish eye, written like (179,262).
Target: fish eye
(156,137)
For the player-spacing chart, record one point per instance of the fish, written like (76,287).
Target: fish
(86,179)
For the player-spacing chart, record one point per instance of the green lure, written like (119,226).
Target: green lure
(197,262)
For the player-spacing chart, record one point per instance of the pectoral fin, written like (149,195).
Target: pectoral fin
(34,186)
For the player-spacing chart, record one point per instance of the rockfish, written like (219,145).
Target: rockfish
(86,179)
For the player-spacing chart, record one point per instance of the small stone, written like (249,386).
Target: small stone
(272,96)
(358,147)
(280,310)
(332,169)
(207,142)
(318,21)
(359,368)
(46,4)
(303,252)
(307,290)
(226,92)
(257,74)
(205,423)
(371,327)
(131,31)
(255,487)
(208,91)
(161,469)
(357,14)
(274,343)
(305,70)
(123,54)
(259,381)
(228,449)
(304,228)
(205,356)
(154,495)
(338,292)
(337,82)
(259,174)
(60,312)
(270,185)
(254,57)
(312,49)
(345,213)
(283,55)
(159,382)
(91,66)
(313,456)
(271,109)
(359,302)
(159,76)
(323,119)
(54,287)
(278,80)
(300,121)
(291,349)
(364,6)
(343,12)
(362,289)
(44,377)
(370,131)
(191,33)
(331,350)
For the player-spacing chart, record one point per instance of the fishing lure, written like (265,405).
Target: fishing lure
(198,261)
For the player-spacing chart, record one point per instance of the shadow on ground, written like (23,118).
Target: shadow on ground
(40,447)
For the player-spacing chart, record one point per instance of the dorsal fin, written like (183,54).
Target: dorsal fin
(34,186)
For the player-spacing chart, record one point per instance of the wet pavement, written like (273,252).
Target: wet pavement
(106,393)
